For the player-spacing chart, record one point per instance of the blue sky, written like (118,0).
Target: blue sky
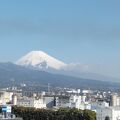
(79,31)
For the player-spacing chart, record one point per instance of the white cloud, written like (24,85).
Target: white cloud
(77,67)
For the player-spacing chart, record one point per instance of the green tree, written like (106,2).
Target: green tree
(61,114)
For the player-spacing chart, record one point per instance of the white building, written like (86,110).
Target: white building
(5,97)
(86,91)
(97,105)
(79,102)
(84,106)
(74,91)
(75,101)
(31,102)
(14,99)
(83,98)
(115,100)
(113,113)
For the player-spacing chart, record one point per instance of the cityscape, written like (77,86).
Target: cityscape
(59,60)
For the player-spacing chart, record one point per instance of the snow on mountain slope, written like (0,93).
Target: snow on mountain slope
(41,60)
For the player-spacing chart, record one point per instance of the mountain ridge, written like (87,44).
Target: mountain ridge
(21,74)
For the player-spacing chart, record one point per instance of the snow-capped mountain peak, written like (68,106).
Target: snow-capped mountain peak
(41,60)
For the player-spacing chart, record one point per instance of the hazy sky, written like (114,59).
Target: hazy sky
(78,31)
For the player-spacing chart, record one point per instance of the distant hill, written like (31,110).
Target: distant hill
(9,71)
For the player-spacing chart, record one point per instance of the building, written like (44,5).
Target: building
(97,105)
(14,99)
(50,101)
(111,113)
(115,100)
(62,102)
(5,97)
(31,102)
(75,101)
(7,115)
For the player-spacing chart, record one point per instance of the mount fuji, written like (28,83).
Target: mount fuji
(40,60)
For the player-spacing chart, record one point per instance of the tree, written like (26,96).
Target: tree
(61,114)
